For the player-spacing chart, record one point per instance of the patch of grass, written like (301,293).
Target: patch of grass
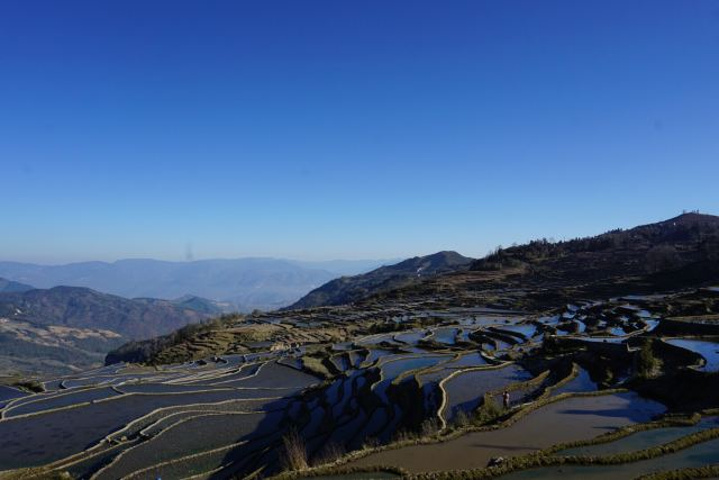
(336,470)
(318,364)
(294,456)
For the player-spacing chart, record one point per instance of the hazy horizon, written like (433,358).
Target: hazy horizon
(209,259)
(193,258)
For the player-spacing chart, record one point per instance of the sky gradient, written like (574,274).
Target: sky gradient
(348,129)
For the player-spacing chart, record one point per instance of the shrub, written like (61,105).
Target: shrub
(430,427)
(647,363)
(461,419)
(488,412)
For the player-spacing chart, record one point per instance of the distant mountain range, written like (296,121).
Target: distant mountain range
(65,328)
(351,289)
(242,284)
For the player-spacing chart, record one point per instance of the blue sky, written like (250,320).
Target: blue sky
(349,129)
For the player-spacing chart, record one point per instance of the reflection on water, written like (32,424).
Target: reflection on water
(707,349)
(642,440)
(697,456)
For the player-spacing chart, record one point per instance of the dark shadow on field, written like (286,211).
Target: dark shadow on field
(339,417)
(346,402)
(265,442)
(264,447)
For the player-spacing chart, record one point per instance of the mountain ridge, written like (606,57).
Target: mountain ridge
(358,287)
(672,244)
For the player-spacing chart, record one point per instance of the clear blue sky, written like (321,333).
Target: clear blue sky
(348,129)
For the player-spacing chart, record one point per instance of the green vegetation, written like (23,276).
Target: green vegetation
(647,363)
(488,412)
(318,364)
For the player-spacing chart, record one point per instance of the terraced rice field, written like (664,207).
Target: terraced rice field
(526,330)
(9,393)
(581,383)
(564,421)
(57,434)
(472,359)
(643,439)
(406,363)
(59,400)
(706,453)
(411,338)
(190,436)
(466,389)
(445,335)
(225,417)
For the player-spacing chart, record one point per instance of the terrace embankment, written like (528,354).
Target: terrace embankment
(568,420)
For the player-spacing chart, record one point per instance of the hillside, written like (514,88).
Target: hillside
(645,258)
(64,328)
(648,249)
(8,286)
(85,308)
(682,252)
(351,289)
